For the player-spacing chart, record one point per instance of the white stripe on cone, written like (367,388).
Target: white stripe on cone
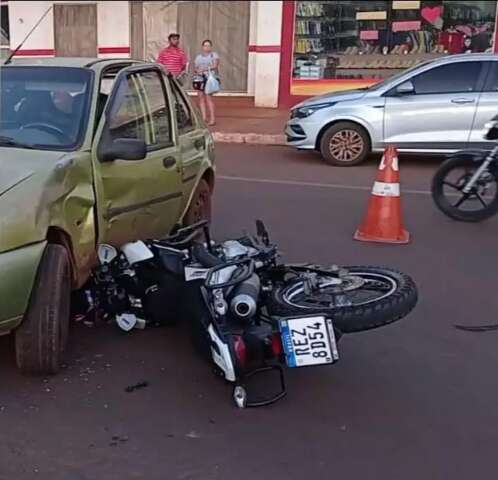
(382,189)
(394,164)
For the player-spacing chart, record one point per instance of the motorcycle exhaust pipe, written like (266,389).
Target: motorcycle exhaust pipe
(244,302)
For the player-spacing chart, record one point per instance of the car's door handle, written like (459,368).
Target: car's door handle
(462,100)
(169,162)
(200,143)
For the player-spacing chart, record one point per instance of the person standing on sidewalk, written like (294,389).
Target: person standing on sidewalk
(174,58)
(207,61)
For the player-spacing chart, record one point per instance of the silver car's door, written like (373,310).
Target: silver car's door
(487,108)
(439,113)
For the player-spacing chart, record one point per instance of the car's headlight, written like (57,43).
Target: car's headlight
(307,110)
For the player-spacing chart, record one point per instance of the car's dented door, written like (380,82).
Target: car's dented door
(138,199)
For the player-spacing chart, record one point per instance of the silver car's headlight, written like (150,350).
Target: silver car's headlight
(307,110)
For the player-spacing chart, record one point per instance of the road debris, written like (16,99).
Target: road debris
(136,386)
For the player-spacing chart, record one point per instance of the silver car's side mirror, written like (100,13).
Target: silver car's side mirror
(405,88)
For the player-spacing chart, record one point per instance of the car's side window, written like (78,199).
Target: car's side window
(461,77)
(140,110)
(127,118)
(155,98)
(492,80)
(183,112)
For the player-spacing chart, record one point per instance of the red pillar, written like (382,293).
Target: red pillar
(495,33)
(287,45)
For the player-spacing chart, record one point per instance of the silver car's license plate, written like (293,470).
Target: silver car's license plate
(308,341)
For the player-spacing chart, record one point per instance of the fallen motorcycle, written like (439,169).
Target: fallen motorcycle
(250,314)
(465,186)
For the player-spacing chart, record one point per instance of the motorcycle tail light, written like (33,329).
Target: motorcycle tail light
(240,349)
(276,345)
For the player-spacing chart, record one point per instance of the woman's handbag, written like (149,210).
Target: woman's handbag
(198,82)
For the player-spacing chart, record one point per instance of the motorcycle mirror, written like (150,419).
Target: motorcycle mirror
(106,253)
(262,232)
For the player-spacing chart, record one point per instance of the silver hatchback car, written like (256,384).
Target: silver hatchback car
(439,106)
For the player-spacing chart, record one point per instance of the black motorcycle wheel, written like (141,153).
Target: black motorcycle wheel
(366,298)
(450,179)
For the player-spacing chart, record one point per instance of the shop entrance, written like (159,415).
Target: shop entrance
(226,24)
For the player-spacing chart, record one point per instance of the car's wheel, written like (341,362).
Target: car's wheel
(200,206)
(345,144)
(42,336)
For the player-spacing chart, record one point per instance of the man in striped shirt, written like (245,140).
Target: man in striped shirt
(173,57)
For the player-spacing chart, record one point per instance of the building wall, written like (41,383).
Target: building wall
(267,31)
(113,29)
(113,18)
(113,34)
(22,17)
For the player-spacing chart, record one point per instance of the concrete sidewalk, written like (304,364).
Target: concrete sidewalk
(238,121)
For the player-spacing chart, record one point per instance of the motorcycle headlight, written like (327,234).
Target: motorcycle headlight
(307,110)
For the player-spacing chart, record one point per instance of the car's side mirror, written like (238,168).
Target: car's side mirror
(405,88)
(123,149)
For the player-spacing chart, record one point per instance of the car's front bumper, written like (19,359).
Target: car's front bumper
(17,275)
(302,133)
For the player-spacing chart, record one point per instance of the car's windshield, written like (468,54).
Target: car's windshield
(44,107)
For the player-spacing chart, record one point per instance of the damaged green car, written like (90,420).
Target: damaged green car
(91,151)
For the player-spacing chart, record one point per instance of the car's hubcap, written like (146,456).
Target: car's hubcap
(346,145)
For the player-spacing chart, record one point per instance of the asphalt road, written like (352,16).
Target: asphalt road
(415,400)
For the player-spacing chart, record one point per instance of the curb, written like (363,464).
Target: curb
(250,138)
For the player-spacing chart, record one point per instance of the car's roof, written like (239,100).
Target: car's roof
(78,62)
(469,56)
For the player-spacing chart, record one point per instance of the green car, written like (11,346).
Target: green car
(91,151)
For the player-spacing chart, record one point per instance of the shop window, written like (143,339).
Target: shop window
(346,44)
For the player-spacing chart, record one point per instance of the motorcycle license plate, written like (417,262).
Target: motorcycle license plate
(308,341)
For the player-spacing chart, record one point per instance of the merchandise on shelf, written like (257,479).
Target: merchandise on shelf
(368,39)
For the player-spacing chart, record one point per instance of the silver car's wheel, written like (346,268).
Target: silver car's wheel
(345,144)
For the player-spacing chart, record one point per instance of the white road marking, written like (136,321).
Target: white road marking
(313,184)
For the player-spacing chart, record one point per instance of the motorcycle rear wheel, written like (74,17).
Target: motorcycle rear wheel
(448,196)
(392,296)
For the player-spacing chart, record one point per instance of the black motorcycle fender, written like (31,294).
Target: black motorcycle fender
(475,155)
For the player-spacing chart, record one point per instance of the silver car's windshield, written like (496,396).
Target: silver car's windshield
(44,107)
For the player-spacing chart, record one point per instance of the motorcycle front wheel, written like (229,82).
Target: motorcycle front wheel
(356,298)
(447,190)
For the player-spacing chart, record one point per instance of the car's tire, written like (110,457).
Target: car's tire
(345,144)
(42,336)
(200,205)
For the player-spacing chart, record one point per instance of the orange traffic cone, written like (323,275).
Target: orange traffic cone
(383,222)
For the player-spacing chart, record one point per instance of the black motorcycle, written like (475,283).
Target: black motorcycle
(465,186)
(250,314)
